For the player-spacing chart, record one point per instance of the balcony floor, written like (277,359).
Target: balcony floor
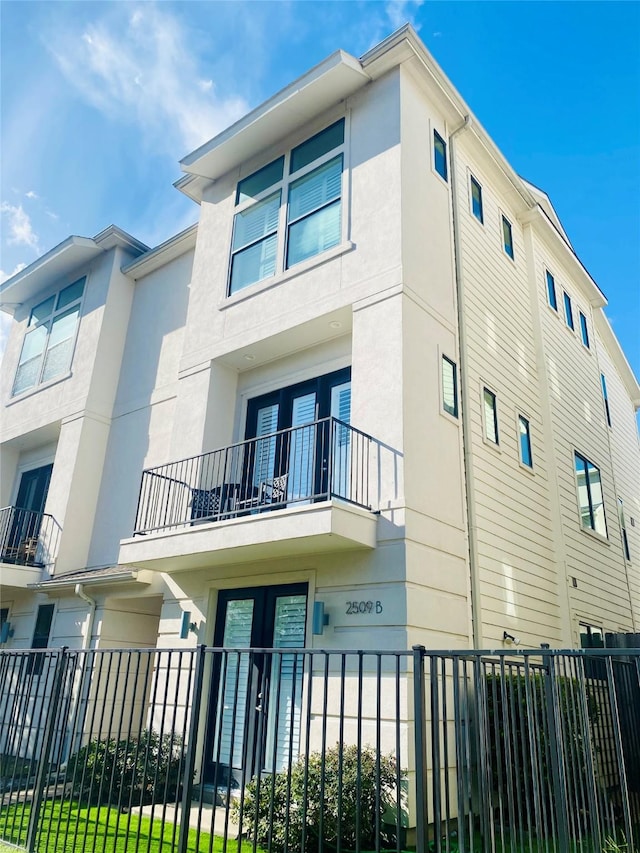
(13,576)
(311,529)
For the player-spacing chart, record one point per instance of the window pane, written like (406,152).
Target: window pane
(568,311)
(318,145)
(440,155)
(34,343)
(317,233)
(70,294)
(260,181)
(27,375)
(507,237)
(525,442)
(490,418)
(316,189)
(60,346)
(28,372)
(41,311)
(254,264)
(583,491)
(449,387)
(63,327)
(584,330)
(476,200)
(597,502)
(551,291)
(256,222)
(605,397)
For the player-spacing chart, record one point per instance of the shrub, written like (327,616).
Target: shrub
(321,798)
(126,772)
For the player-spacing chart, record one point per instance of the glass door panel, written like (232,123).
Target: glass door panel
(265,452)
(285,689)
(341,439)
(301,468)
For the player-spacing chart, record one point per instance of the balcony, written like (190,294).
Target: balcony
(298,490)
(28,543)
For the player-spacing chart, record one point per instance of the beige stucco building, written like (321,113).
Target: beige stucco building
(373,382)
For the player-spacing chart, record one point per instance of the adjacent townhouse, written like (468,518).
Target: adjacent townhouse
(371,399)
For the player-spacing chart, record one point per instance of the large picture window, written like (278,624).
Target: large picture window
(289,210)
(47,348)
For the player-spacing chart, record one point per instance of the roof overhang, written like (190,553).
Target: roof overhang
(618,357)
(62,261)
(162,254)
(334,79)
(97,577)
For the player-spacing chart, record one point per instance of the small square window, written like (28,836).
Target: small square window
(568,312)
(476,200)
(440,155)
(590,496)
(551,291)
(449,386)
(507,237)
(584,331)
(524,430)
(490,416)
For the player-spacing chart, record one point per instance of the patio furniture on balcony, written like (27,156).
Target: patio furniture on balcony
(318,461)
(27,538)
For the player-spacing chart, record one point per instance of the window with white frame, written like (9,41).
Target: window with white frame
(590,497)
(490,407)
(289,210)
(47,348)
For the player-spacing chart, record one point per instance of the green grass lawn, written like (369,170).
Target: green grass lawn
(71,828)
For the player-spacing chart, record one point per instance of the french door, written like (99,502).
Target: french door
(26,515)
(256,697)
(299,458)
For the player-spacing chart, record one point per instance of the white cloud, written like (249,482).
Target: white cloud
(5,275)
(31,194)
(400,12)
(143,67)
(21,231)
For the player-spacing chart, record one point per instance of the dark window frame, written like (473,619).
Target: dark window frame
(588,485)
(440,158)
(552,296)
(487,392)
(568,311)
(584,330)
(507,238)
(477,206)
(526,436)
(455,410)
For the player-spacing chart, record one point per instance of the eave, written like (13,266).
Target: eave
(162,254)
(603,327)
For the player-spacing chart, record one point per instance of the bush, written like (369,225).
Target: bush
(276,815)
(128,772)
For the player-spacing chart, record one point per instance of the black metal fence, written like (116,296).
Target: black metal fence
(27,538)
(317,461)
(306,750)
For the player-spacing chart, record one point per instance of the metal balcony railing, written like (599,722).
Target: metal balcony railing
(317,461)
(27,538)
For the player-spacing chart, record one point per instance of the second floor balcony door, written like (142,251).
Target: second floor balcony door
(25,518)
(298,461)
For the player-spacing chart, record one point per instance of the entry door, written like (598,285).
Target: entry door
(256,699)
(26,517)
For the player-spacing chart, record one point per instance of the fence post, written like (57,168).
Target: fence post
(47,742)
(420,744)
(187,785)
(556,753)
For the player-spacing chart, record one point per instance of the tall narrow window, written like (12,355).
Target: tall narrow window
(568,311)
(449,386)
(590,496)
(524,430)
(551,291)
(41,636)
(48,344)
(623,531)
(476,200)
(584,330)
(490,416)
(507,237)
(440,155)
(605,398)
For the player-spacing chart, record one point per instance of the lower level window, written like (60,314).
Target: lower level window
(590,496)
(41,636)
(591,637)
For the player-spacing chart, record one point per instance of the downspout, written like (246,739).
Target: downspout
(92,614)
(464,397)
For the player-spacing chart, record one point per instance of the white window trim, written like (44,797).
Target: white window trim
(584,314)
(472,176)
(556,310)
(589,531)
(282,186)
(530,469)
(502,215)
(432,153)
(496,446)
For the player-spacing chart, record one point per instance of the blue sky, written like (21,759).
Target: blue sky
(101,100)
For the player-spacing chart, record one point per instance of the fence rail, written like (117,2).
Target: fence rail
(308,750)
(317,461)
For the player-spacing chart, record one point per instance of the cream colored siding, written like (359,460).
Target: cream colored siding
(517,570)
(578,424)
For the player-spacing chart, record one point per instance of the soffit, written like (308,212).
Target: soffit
(339,76)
